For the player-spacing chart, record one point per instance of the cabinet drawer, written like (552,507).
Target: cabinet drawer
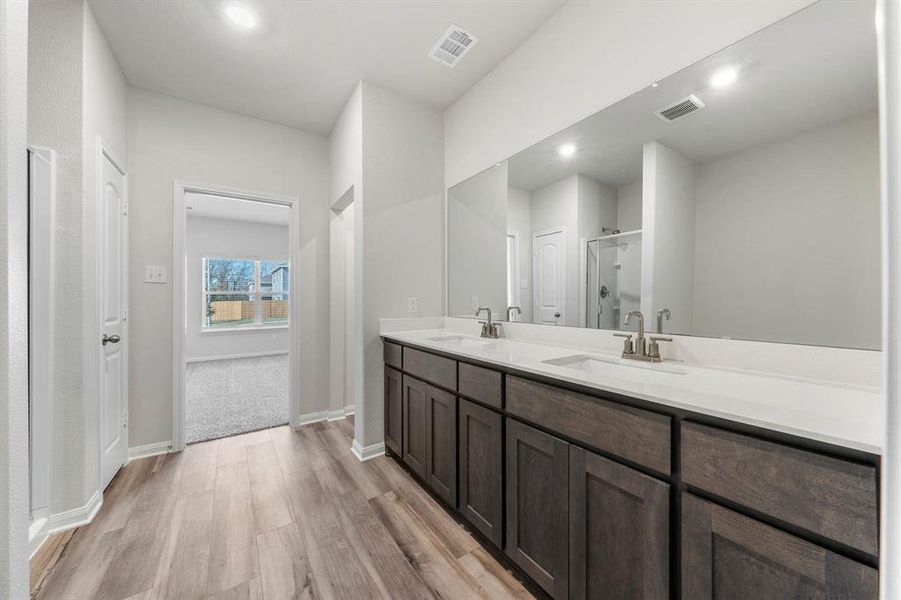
(393,355)
(727,555)
(431,368)
(637,435)
(828,496)
(481,384)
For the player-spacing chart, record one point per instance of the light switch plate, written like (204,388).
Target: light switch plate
(474,303)
(413,304)
(156,274)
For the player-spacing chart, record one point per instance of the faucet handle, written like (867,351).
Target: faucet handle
(627,343)
(654,347)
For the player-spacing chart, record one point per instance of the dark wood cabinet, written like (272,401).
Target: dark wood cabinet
(481,465)
(394,410)
(441,443)
(538,505)
(592,496)
(414,413)
(618,530)
(832,497)
(727,555)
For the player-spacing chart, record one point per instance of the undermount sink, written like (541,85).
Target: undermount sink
(459,341)
(597,365)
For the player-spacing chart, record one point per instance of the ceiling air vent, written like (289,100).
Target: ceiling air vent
(453,46)
(680,108)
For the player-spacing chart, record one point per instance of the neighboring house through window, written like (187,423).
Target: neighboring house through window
(244,292)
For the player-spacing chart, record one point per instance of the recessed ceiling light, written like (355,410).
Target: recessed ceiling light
(241,17)
(566,150)
(724,77)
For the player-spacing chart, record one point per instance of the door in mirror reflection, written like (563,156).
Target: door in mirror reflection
(549,263)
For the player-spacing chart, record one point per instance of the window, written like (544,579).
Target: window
(245,293)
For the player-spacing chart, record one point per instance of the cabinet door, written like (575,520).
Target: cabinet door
(414,424)
(441,443)
(618,530)
(537,506)
(481,469)
(727,555)
(393,410)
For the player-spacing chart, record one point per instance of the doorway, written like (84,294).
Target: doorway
(549,276)
(235,344)
(346,311)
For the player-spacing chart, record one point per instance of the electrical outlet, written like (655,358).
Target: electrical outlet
(156,274)
(413,304)
(474,303)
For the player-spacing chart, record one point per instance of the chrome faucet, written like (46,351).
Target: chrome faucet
(663,312)
(489,329)
(510,309)
(641,349)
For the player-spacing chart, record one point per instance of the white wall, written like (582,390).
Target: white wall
(519,221)
(210,237)
(477,254)
(76,93)
(403,229)
(669,196)
(598,205)
(628,214)
(587,56)
(13,301)
(787,248)
(171,139)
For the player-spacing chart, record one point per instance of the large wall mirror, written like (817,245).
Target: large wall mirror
(737,198)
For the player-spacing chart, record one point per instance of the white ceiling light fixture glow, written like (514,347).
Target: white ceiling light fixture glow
(566,150)
(241,16)
(723,77)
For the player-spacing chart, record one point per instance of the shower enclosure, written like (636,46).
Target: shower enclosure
(612,279)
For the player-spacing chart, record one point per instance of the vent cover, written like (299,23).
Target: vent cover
(680,108)
(452,46)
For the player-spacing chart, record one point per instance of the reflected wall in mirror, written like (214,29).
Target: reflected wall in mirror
(736,198)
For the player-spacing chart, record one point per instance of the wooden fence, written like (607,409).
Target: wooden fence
(230,311)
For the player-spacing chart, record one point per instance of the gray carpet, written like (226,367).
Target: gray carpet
(226,397)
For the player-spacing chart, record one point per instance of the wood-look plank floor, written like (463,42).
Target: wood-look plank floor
(270,515)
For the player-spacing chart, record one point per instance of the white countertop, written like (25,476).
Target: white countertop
(845,415)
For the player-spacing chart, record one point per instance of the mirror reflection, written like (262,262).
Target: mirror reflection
(736,198)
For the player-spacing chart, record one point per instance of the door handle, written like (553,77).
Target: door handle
(110,339)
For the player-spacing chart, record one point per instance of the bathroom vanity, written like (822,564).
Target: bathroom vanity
(595,493)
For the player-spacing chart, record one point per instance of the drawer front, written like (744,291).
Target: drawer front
(828,496)
(481,384)
(431,368)
(637,435)
(393,354)
(727,555)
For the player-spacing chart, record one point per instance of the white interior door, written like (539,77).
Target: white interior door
(548,268)
(113,232)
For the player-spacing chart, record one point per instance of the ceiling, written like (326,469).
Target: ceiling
(300,65)
(235,209)
(814,68)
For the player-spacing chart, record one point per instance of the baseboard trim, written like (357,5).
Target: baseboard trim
(324,415)
(77,516)
(148,450)
(369,452)
(314,417)
(198,359)
(37,535)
